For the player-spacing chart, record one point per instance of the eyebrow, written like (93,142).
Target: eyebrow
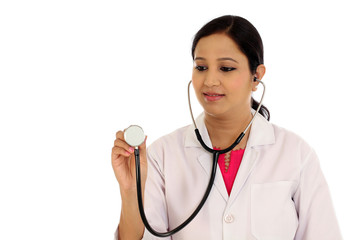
(219,59)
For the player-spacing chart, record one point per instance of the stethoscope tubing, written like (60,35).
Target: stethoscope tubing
(192,216)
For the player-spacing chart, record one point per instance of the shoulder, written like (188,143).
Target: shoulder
(264,133)
(176,136)
(170,141)
(290,141)
(284,134)
(278,143)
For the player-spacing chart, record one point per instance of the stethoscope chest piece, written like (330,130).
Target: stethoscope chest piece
(134,135)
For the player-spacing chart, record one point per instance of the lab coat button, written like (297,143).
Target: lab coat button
(229,218)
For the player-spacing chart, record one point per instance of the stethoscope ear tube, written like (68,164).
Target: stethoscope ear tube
(198,136)
(237,141)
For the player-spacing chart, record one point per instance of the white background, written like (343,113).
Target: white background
(74,72)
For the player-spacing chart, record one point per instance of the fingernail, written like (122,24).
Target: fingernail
(131,149)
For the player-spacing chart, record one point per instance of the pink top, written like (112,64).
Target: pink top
(229,164)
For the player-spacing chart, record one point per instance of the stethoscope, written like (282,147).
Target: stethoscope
(134,136)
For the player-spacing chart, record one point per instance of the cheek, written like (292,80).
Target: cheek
(196,81)
(240,85)
(194,72)
(196,86)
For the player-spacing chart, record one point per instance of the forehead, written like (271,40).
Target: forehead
(217,45)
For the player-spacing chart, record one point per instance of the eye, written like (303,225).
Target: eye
(227,69)
(201,68)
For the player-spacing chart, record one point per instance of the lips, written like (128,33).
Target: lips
(212,96)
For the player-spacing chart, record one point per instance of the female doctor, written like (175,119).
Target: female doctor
(269,187)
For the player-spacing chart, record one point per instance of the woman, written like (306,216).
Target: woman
(270,186)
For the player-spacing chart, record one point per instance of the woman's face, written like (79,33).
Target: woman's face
(221,76)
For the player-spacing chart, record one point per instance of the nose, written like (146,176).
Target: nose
(211,79)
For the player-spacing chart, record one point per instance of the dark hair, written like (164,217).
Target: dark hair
(245,36)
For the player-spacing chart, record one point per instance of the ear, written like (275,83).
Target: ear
(259,74)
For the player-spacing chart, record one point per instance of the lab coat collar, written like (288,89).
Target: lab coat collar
(261,133)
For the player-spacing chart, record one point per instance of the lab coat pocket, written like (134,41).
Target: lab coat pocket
(273,213)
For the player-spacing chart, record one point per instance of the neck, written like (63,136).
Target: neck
(223,130)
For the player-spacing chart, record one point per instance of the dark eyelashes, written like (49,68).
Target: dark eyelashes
(224,69)
(201,68)
(227,69)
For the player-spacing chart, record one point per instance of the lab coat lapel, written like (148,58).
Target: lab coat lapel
(261,134)
(248,163)
(205,158)
(205,161)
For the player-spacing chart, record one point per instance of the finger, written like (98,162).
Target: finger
(116,151)
(120,135)
(124,145)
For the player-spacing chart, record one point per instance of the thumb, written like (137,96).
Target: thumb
(143,145)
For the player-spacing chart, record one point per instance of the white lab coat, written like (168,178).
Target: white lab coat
(279,192)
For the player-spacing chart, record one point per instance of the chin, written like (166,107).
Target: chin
(216,112)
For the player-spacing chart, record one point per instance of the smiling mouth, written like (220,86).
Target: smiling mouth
(214,94)
(213,97)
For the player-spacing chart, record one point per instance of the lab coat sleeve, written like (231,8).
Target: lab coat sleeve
(116,234)
(154,199)
(317,219)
